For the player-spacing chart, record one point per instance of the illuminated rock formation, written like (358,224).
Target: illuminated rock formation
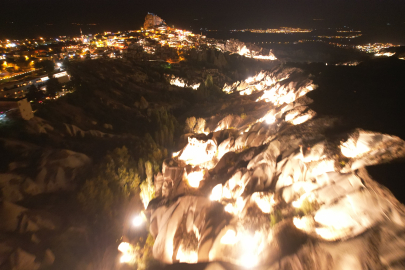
(152,21)
(269,188)
(182,83)
(247,50)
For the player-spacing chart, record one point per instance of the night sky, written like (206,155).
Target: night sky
(30,18)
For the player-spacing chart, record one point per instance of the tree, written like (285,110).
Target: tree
(147,187)
(47,65)
(53,86)
(208,88)
(112,184)
(34,93)
(104,198)
(190,123)
(66,62)
(200,126)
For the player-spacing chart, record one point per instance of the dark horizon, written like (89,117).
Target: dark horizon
(32,18)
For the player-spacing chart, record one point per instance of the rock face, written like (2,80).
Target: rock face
(152,20)
(54,170)
(271,188)
(24,231)
(247,49)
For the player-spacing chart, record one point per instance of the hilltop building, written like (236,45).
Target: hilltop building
(153,21)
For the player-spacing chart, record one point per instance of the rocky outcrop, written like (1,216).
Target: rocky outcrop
(152,20)
(271,188)
(56,170)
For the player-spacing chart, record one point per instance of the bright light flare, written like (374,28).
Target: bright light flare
(235,208)
(194,178)
(175,154)
(270,119)
(250,249)
(186,256)
(263,201)
(305,223)
(197,152)
(216,194)
(249,260)
(229,238)
(137,221)
(128,253)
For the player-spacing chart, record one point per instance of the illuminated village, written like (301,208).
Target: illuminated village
(228,170)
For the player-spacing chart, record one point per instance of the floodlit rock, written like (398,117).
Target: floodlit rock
(276,190)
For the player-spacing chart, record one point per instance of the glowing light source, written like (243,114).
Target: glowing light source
(128,253)
(249,260)
(194,178)
(216,193)
(270,119)
(263,201)
(186,256)
(250,245)
(229,238)
(197,152)
(137,221)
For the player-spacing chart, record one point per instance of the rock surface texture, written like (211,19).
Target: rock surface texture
(25,231)
(271,188)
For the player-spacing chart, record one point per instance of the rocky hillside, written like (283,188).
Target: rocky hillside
(271,186)
(250,168)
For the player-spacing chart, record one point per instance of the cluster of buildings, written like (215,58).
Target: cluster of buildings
(281,30)
(154,41)
(19,89)
(375,47)
(340,36)
(21,59)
